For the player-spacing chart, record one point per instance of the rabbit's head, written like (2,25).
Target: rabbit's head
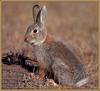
(36,33)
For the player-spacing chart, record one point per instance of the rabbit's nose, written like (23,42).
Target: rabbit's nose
(28,38)
(25,39)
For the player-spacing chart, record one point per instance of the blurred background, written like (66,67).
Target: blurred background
(73,23)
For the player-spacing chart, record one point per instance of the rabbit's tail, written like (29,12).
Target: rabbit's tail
(82,82)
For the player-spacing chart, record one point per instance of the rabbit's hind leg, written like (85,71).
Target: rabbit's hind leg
(62,74)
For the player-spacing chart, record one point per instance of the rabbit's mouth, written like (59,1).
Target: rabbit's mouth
(29,42)
(34,42)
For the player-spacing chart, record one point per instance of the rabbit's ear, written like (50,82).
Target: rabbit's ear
(35,11)
(42,15)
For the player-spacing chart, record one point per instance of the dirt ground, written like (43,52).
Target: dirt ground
(73,23)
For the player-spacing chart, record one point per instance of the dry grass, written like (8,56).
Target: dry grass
(75,24)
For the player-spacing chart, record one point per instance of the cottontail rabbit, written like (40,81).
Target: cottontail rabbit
(53,56)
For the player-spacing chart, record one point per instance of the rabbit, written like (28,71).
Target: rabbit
(53,56)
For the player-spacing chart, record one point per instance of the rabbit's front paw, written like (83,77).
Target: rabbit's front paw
(41,75)
(33,65)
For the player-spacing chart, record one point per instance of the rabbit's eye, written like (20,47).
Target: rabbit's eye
(35,31)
